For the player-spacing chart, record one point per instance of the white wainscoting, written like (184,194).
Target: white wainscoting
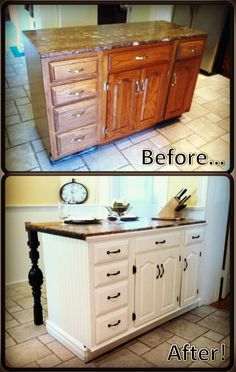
(17,252)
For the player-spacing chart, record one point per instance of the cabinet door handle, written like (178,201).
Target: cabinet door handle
(174,80)
(163,270)
(76,93)
(194,50)
(109,297)
(161,242)
(158,274)
(137,87)
(142,86)
(186,264)
(114,324)
(111,252)
(113,274)
(140,58)
(69,71)
(195,237)
(79,114)
(77,139)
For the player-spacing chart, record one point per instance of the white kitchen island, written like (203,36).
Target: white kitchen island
(109,282)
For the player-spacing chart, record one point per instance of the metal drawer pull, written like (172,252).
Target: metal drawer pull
(161,242)
(158,274)
(196,237)
(77,139)
(140,58)
(194,50)
(109,297)
(110,252)
(112,274)
(174,80)
(186,264)
(78,115)
(115,324)
(162,267)
(76,93)
(75,71)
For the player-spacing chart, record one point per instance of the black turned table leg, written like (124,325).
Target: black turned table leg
(35,276)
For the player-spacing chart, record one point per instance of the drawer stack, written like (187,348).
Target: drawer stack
(111,288)
(73,85)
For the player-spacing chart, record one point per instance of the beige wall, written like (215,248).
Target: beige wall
(143,13)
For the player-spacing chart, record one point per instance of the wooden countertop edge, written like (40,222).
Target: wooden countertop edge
(45,228)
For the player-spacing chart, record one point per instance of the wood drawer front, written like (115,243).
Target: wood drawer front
(73,69)
(109,326)
(74,92)
(139,57)
(189,49)
(75,115)
(111,298)
(110,251)
(76,140)
(102,273)
(157,241)
(194,236)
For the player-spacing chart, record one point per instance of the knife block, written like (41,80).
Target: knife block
(168,211)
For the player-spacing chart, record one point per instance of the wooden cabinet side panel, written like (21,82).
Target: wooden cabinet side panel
(36,85)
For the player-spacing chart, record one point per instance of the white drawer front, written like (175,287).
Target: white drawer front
(194,236)
(111,325)
(110,273)
(156,241)
(111,298)
(110,251)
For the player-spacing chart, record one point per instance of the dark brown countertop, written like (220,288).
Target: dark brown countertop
(105,228)
(74,40)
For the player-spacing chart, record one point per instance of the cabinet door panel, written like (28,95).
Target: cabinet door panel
(182,86)
(145,288)
(153,85)
(168,281)
(121,103)
(190,275)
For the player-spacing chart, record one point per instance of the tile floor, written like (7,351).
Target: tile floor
(30,346)
(204,128)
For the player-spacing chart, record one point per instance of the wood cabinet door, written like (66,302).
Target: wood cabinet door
(146,288)
(168,282)
(182,86)
(190,275)
(121,103)
(152,95)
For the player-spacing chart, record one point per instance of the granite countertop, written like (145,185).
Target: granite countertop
(53,42)
(105,227)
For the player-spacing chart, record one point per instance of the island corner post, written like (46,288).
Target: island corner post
(35,275)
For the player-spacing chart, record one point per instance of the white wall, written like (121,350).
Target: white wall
(216,216)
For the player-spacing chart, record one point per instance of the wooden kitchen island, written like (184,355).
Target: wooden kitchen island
(109,282)
(94,84)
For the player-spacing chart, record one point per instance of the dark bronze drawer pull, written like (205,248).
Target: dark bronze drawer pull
(69,71)
(196,237)
(110,252)
(161,242)
(163,270)
(186,264)
(79,114)
(115,324)
(76,93)
(112,274)
(158,274)
(77,139)
(109,297)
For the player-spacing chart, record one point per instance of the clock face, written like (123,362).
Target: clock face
(74,193)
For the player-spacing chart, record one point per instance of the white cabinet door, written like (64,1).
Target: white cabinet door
(168,282)
(146,287)
(190,274)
